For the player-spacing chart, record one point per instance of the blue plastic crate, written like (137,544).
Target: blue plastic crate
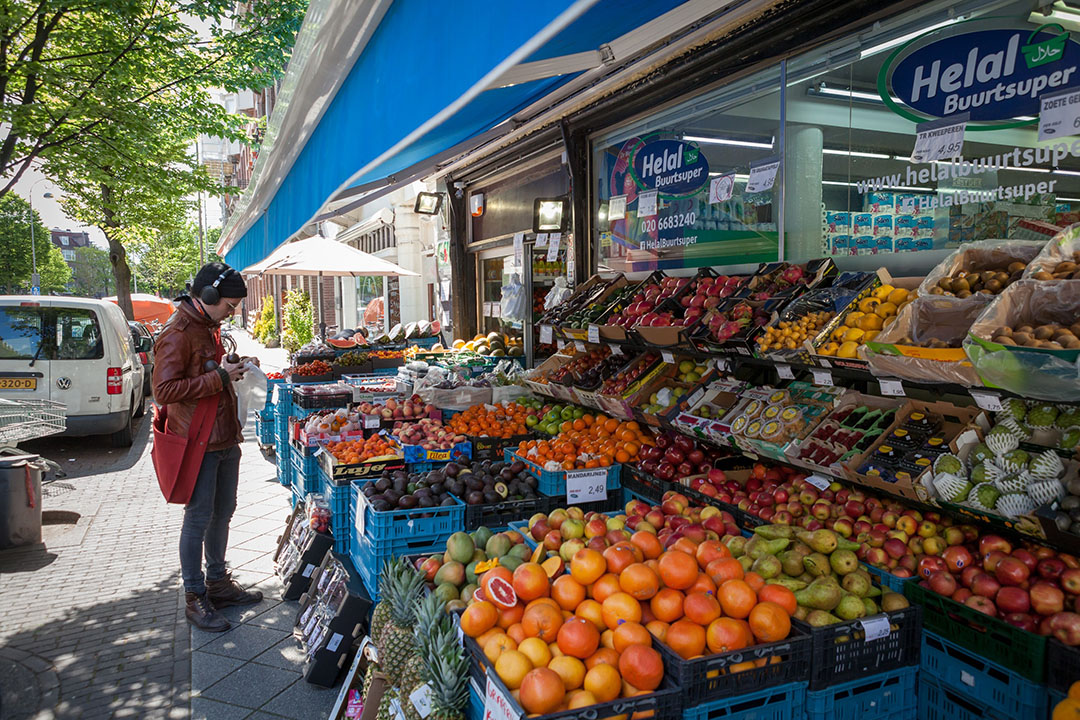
(368,557)
(414,454)
(1005,693)
(629,495)
(427,342)
(385,371)
(475,709)
(306,473)
(938,701)
(284,476)
(886,696)
(422,466)
(341,527)
(784,702)
(553,482)
(522,526)
(409,524)
(264,431)
(887,579)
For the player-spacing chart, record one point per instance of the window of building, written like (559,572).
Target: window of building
(69,255)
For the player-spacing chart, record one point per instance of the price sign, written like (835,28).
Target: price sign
(360,504)
(762,176)
(541,240)
(784,371)
(594,333)
(560,344)
(646,206)
(372,422)
(1059,114)
(519,250)
(496,704)
(967,678)
(584,486)
(579,345)
(821,483)
(553,246)
(545,334)
(721,188)
(308,569)
(989,401)
(615,349)
(395,710)
(939,139)
(571,265)
(421,700)
(617,208)
(875,627)
(695,398)
(669,358)
(892,386)
(822,377)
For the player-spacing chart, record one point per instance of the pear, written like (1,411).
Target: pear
(856,583)
(775,532)
(802,548)
(747,562)
(801,613)
(822,541)
(821,618)
(757,546)
(789,582)
(850,607)
(891,601)
(820,595)
(817,565)
(792,562)
(736,544)
(843,562)
(767,566)
(871,606)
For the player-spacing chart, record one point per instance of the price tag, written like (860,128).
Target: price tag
(519,250)
(721,188)
(541,240)
(784,371)
(822,377)
(545,334)
(646,204)
(584,486)
(395,709)
(308,569)
(421,700)
(695,398)
(615,349)
(553,246)
(496,704)
(372,422)
(821,483)
(967,678)
(616,208)
(579,345)
(669,358)
(939,139)
(875,627)
(335,642)
(1059,114)
(891,386)
(560,344)
(359,523)
(594,333)
(762,176)
(571,265)
(989,401)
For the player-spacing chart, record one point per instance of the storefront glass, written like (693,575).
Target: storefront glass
(848,185)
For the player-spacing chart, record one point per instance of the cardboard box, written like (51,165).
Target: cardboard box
(342,474)
(542,371)
(415,453)
(620,405)
(719,394)
(848,400)
(666,378)
(814,402)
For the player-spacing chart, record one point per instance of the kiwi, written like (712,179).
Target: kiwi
(1075,329)
(1066,267)
(993,285)
(963,293)
(1071,344)
(1021,338)
(1042,275)
(1062,336)
(1026,329)
(936,290)
(1003,330)
(1003,340)
(1001,277)
(1044,332)
(1053,345)
(960,285)
(1015,267)
(945,283)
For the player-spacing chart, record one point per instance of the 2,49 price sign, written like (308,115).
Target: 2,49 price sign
(584,486)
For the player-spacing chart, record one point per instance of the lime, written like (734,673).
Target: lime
(579,413)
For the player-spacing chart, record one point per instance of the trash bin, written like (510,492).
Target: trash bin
(20,500)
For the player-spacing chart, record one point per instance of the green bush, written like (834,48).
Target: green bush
(299,321)
(266,325)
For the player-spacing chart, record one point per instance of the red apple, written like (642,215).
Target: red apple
(957,558)
(942,583)
(991,560)
(988,543)
(1012,600)
(1070,580)
(1027,557)
(961,594)
(969,574)
(1066,627)
(1011,571)
(1050,568)
(985,585)
(929,565)
(1046,599)
(982,604)
(1022,621)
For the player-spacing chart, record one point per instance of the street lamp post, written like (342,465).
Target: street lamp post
(35,279)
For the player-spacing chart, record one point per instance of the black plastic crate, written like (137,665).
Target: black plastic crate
(497,515)
(644,484)
(1062,665)
(707,678)
(840,652)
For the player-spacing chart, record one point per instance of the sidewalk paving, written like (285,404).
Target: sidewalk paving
(94,627)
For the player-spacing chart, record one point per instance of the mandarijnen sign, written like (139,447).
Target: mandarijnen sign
(996,74)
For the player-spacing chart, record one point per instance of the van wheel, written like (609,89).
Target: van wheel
(141,409)
(123,437)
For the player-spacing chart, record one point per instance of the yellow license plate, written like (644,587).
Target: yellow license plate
(18,383)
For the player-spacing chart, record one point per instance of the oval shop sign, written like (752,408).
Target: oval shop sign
(674,167)
(995,75)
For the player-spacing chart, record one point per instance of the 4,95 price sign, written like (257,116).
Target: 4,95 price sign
(584,486)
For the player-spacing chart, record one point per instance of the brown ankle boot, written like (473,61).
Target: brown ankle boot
(202,614)
(226,592)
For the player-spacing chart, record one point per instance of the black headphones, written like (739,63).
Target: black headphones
(210,295)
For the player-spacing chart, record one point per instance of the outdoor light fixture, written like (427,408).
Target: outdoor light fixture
(428,203)
(550,214)
(476,204)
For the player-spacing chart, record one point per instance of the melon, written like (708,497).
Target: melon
(341,343)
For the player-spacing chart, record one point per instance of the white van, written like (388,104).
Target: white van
(77,351)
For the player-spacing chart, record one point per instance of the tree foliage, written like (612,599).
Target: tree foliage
(166,261)
(16,255)
(298,328)
(265,327)
(92,274)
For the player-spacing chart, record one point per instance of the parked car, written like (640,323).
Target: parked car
(144,348)
(77,351)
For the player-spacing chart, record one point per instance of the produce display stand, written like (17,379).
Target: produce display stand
(332,616)
(302,550)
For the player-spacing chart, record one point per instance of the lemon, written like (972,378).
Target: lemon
(898,296)
(829,349)
(847,350)
(839,332)
(870,322)
(883,292)
(854,335)
(886,309)
(868,305)
(870,335)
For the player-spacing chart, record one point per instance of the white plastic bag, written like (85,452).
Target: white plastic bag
(250,391)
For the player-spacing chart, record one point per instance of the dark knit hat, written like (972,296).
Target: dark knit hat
(231,286)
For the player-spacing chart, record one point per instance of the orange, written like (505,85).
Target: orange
(578,637)
(542,601)
(642,667)
(602,655)
(620,606)
(587,566)
(510,616)
(542,621)
(580,699)
(723,570)
(737,598)
(630,633)
(531,582)
(677,569)
(516,632)
(640,581)
(648,542)
(711,550)
(724,634)
(607,639)
(568,592)
(542,691)
(604,682)
(496,572)
(483,638)
(556,652)
(685,545)
(701,608)
(606,586)
(703,584)
(592,611)
(497,645)
(657,629)
(646,612)
(478,618)
(511,667)
(769,622)
(571,671)
(686,638)
(667,605)
(755,581)
(536,650)
(619,557)
(781,596)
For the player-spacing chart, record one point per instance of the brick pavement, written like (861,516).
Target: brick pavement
(97,629)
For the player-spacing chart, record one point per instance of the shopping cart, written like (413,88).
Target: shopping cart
(22,420)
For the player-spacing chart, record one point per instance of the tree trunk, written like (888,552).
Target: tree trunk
(121,275)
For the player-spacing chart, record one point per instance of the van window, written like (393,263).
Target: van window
(67,333)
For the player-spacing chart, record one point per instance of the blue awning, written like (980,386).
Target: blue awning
(426,81)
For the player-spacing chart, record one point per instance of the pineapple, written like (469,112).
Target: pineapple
(397,636)
(429,612)
(386,712)
(447,672)
(368,676)
(381,616)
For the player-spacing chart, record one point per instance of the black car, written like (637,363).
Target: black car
(143,340)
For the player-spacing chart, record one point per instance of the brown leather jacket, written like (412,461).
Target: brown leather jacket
(181,378)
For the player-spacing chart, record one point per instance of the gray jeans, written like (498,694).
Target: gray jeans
(206,519)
